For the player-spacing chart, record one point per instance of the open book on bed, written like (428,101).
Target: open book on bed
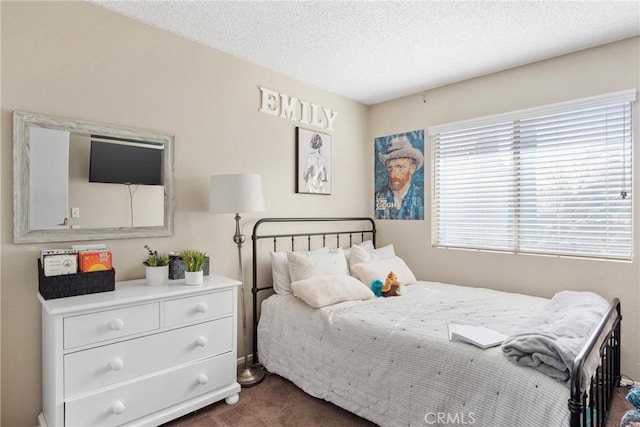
(477,335)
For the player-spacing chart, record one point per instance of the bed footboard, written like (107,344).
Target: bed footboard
(589,404)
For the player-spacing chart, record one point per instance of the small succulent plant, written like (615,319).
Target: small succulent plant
(193,259)
(155,258)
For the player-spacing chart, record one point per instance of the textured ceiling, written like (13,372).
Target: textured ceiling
(376,51)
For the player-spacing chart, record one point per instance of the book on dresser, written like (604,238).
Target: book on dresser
(477,335)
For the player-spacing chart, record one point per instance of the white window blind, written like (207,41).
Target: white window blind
(549,180)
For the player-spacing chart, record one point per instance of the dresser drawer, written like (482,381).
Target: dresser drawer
(129,402)
(105,325)
(102,366)
(198,308)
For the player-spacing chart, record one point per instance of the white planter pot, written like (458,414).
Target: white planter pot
(157,276)
(193,277)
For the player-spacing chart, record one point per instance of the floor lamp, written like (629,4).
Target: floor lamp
(237,193)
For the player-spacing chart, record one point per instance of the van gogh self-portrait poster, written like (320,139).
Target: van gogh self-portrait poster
(399,176)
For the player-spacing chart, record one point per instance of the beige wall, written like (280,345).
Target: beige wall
(78,60)
(3,206)
(74,59)
(595,71)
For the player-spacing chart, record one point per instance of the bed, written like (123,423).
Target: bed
(390,360)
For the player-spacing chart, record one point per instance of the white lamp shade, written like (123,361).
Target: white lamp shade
(236,193)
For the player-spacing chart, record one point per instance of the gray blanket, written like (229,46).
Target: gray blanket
(550,340)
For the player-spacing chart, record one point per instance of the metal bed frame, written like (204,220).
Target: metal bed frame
(369,230)
(589,405)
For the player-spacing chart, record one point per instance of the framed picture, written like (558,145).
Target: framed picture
(313,162)
(399,176)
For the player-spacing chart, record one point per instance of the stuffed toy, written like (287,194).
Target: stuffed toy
(632,417)
(391,287)
(376,287)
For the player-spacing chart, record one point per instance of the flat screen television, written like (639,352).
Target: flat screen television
(126,162)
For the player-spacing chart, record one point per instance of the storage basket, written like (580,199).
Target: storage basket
(176,267)
(69,285)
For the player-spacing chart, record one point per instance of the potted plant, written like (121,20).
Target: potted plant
(193,264)
(156,267)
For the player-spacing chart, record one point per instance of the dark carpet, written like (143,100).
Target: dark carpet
(278,402)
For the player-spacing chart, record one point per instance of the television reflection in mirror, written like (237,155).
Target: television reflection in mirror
(125,161)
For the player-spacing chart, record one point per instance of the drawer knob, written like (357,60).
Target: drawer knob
(117,408)
(116,324)
(203,379)
(202,308)
(201,341)
(116,364)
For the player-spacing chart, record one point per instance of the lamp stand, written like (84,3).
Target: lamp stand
(247,375)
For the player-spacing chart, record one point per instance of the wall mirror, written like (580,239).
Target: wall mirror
(81,180)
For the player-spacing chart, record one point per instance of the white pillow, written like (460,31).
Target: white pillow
(302,266)
(360,254)
(280,270)
(367,244)
(367,272)
(320,291)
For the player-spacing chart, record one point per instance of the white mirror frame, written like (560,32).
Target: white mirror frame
(22,121)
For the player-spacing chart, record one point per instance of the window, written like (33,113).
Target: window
(549,180)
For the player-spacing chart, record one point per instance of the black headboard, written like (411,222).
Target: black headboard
(334,232)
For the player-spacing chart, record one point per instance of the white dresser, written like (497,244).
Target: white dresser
(140,355)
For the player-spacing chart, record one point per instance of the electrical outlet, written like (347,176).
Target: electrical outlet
(75,212)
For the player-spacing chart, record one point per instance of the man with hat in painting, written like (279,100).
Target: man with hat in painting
(400,198)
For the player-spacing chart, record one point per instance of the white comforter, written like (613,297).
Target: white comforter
(389,360)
